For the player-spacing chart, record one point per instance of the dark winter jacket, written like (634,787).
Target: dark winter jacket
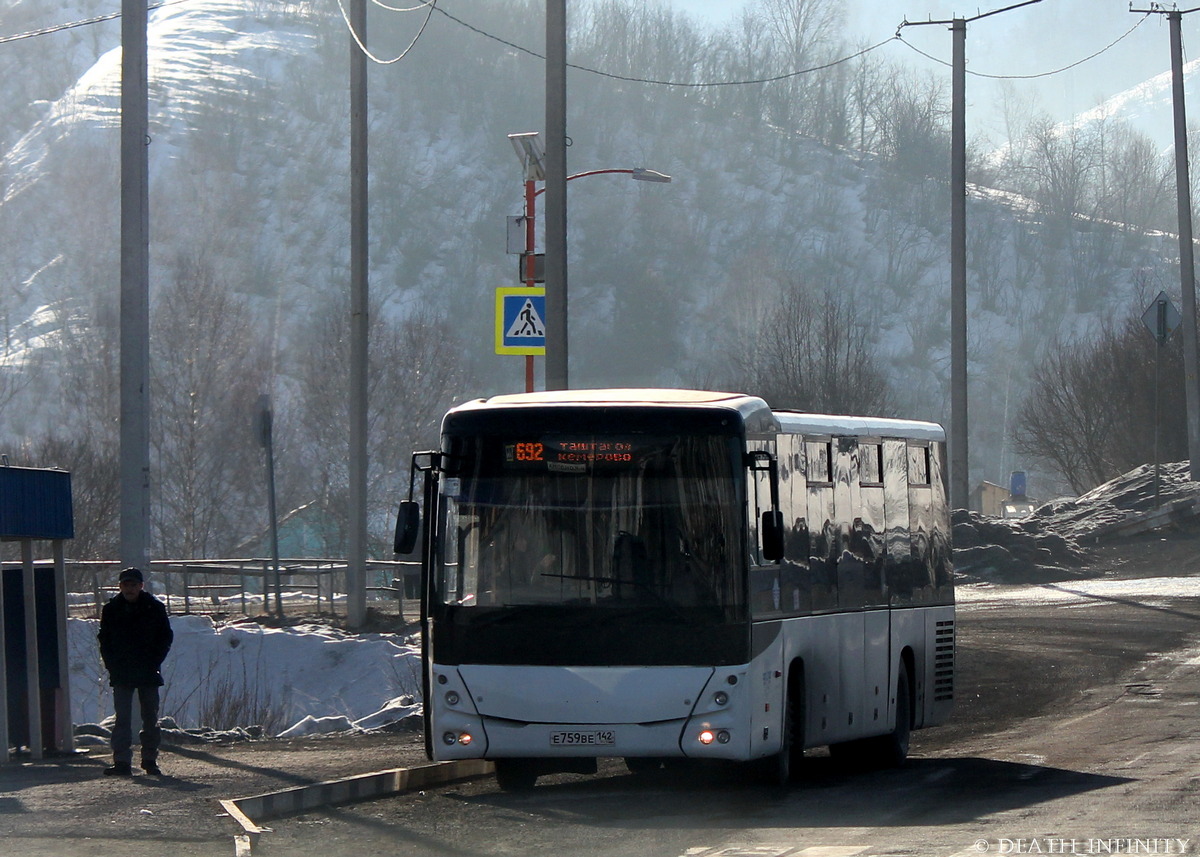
(135,637)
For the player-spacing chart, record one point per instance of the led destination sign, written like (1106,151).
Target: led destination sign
(573,454)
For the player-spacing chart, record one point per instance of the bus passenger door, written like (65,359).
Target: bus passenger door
(766,673)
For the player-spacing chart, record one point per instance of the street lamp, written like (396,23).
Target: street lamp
(531,153)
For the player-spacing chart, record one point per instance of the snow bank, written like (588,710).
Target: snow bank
(241,674)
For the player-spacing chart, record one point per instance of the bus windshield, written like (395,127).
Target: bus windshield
(603,522)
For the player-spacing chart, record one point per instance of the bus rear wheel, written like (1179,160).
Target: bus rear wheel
(892,749)
(882,751)
(515,775)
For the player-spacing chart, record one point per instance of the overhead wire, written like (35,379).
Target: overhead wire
(1088,58)
(70,25)
(630,79)
(422,5)
(431,4)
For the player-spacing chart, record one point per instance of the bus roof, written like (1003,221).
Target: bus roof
(796,422)
(622,396)
(755,413)
(753,409)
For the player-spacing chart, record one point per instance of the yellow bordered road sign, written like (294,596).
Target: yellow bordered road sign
(521,320)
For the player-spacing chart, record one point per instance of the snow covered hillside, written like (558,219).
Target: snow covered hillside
(249,176)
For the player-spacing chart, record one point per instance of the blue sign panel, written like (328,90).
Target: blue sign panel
(521,321)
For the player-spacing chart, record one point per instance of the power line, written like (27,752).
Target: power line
(1103,50)
(629,79)
(58,28)
(422,5)
(432,5)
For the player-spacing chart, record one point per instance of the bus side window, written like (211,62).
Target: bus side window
(820,461)
(918,465)
(870,463)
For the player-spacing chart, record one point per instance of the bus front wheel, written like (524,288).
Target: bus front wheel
(785,764)
(515,775)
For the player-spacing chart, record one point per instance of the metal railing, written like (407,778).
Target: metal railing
(248,586)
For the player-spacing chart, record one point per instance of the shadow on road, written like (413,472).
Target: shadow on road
(926,791)
(1127,601)
(221,762)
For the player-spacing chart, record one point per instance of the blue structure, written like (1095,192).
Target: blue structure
(35,504)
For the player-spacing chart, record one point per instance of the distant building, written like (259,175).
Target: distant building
(309,531)
(988,498)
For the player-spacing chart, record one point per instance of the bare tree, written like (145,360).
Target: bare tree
(418,369)
(208,371)
(1090,410)
(809,353)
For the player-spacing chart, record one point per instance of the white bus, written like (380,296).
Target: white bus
(664,575)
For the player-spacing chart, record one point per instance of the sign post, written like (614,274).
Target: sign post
(1161,319)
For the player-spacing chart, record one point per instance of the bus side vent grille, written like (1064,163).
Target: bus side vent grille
(943,662)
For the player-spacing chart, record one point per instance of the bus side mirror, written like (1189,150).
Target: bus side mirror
(408,524)
(772,535)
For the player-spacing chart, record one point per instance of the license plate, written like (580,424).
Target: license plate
(589,738)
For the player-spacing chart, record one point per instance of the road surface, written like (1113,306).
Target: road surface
(1077,731)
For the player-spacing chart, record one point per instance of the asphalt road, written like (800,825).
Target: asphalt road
(1077,731)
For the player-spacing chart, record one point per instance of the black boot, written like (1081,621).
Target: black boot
(119,769)
(151,767)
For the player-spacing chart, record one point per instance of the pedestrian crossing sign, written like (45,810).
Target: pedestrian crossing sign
(521,320)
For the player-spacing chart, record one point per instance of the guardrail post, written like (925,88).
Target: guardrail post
(96,596)
(65,737)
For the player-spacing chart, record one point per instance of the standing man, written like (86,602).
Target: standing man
(135,636)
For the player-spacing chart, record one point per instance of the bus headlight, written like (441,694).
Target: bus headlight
(720,697)
(708,736)
(450,738)
(452,698)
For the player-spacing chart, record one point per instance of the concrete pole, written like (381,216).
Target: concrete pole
(960,482)
(1187,271)
(33,684)
(557,337)
(135,290)
(356,595)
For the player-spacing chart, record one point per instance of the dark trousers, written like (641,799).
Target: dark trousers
(122,733)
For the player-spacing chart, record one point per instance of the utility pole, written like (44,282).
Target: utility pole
(1187,270)
(557,339)
(135,290)
(960,480)
(356,559)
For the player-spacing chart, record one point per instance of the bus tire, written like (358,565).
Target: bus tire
(515,775)
(893,747)
(785,764)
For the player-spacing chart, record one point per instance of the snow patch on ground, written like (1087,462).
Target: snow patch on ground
(290,680)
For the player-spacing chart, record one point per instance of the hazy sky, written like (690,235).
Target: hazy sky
(1027,41)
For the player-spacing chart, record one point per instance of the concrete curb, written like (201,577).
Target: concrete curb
(248,811)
